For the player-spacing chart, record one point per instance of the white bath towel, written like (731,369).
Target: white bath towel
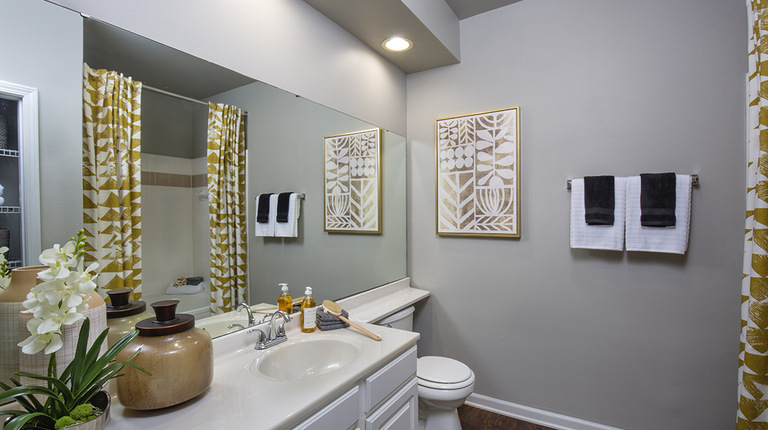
(290,228)
(266,229)
(608,237)
(673,240)
(186,289)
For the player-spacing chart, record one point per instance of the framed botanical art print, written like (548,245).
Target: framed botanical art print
(352,178)
(477,159)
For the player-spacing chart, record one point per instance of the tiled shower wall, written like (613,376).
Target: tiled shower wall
(174,226)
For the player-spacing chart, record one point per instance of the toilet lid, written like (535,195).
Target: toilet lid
(442,370)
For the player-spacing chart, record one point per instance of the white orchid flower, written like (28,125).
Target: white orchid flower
(61,299)
(50,342)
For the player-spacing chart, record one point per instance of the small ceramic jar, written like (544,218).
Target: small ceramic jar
(179,356)
(123,314)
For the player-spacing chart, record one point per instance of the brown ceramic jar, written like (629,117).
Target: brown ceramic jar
(179,356)
(123,314)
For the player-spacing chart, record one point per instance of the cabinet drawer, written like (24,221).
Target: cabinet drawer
(341,414)
(381,384)
(398,413)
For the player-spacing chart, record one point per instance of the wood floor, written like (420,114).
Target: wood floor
(478,419)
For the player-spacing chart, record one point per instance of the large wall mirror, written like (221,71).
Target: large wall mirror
(285,153)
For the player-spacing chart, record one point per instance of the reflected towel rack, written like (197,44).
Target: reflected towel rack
(694,181)
(203,195)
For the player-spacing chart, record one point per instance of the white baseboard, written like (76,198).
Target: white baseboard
(532,415)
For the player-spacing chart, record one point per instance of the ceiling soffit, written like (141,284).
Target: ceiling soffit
(373,21)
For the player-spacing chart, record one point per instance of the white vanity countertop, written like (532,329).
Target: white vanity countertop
(238,399)
(373,305)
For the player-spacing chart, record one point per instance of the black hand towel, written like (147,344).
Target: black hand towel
(262,213)
(599,200)
(283,202)
(657,199)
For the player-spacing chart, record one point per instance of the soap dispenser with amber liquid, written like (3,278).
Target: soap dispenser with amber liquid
(308,319)
(285,302)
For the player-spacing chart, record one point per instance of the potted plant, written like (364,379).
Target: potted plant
(59,403)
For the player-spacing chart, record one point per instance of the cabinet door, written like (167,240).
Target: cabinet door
(399,413)
(341,414)
(384,382)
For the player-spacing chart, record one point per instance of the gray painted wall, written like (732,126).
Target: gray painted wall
(44,50)
(285,153)
(632,340)
(286,43)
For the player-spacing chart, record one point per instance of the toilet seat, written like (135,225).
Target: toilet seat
(442,373)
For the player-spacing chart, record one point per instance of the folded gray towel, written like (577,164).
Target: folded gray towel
(338,325)
(322,317)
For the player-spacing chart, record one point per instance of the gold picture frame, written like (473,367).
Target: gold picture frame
(477,165)
(352,182)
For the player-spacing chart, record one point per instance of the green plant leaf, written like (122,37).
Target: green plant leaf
(75,367)
(92,372)
(21,421)
(58,388)
(12,413)
(29,403)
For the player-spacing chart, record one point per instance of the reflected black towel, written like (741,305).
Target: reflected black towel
(283,203)
(262,212)
(194,280)
(657,199)
(599,200)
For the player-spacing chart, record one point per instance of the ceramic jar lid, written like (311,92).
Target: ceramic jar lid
(442,370)
(121,305)
(166,320)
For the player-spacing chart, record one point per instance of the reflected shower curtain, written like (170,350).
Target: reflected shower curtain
(112,177)
(226,206)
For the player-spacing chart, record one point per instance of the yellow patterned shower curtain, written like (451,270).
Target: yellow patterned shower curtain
(226,206)
(753,354)
(112,177)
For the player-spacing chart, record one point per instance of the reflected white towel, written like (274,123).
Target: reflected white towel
(267,229)
(608,237)
(186,289)
(673,240)
(290,228)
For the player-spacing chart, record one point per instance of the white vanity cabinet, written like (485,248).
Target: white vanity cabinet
(387,399)
(342,413)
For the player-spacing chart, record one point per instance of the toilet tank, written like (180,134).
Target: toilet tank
(402,319)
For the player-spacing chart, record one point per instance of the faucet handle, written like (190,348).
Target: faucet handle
(281,328)
(260,335)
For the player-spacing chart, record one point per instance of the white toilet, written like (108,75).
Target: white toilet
(444,383)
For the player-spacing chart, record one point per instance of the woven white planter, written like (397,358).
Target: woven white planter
(38,363)
(9,338)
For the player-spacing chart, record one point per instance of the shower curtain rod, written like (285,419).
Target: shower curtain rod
(178,96)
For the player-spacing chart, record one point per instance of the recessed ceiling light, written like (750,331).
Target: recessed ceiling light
(397,44)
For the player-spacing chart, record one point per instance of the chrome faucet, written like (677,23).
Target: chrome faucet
(273,335)
(280,331)
(251,321)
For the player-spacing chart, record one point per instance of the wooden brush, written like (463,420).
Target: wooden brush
(333,309)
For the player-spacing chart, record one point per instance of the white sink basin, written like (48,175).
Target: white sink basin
(304,359)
